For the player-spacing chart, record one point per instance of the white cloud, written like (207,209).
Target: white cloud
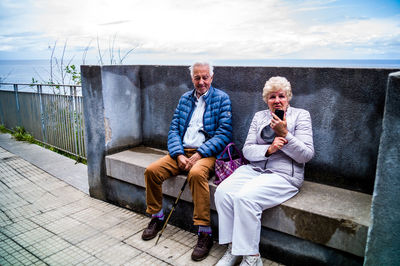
(236,29)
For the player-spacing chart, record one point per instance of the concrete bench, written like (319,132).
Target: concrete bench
(128,106)
(330,216)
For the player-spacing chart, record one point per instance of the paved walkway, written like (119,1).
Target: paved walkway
(64,168)
(46,221)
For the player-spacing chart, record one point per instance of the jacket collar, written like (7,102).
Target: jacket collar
(267,118)
(206,97)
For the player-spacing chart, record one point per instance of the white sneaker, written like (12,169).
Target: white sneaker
(228,259)
(251,260)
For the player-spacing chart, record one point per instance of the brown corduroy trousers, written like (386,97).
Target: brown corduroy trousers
(198,176)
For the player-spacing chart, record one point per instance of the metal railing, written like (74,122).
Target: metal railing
(53,119)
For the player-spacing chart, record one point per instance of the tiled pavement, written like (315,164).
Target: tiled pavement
(45,221)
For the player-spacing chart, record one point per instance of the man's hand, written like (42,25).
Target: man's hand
(185,163)
(182,161)
(192,160)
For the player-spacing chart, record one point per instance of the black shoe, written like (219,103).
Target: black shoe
(152,229)
(203,246)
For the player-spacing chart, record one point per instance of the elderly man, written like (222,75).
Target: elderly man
(200,129)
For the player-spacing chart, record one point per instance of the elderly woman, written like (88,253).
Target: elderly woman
(277,149)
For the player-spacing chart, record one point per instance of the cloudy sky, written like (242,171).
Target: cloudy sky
(163,31)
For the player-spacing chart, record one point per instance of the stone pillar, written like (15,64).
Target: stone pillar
(112,113)
(383,243)
(122,107)
(93,106)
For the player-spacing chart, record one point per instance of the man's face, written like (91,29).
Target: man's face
(201,79)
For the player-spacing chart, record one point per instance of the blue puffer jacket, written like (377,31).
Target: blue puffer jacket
(217,122)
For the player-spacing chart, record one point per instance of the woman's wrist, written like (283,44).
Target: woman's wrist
(268,152)
(284,134)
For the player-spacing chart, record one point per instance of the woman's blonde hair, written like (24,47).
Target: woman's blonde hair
(275,84)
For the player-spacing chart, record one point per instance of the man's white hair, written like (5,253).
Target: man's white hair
(204,63)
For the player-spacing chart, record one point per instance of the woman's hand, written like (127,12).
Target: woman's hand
(279,126)
(276,145)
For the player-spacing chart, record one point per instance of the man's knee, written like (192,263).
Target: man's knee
(152,173)
(198,174)
(150,170)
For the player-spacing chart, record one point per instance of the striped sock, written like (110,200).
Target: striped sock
(205,229)
(159,215)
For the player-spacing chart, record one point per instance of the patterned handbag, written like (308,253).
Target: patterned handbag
(225,166)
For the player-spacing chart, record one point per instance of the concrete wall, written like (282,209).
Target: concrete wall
(112,117)
(93,110)
(383,245)
(346,106)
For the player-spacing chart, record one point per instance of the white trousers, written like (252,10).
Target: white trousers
(240,200)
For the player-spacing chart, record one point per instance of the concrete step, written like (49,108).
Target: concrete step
(326,215)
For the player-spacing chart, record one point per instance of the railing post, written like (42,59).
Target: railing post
(78,124)
(16,96)
(17,105)
(2,118)
(73,123)
(42,115)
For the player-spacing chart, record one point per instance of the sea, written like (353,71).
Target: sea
(26,71)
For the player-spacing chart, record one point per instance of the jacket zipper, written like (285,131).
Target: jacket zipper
(188,119)
(292,169)
(191,113)
(205,110)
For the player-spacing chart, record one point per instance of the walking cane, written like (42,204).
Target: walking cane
(173,208)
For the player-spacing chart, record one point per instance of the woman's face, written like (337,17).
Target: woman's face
(277,100)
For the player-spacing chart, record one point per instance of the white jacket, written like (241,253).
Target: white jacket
(289,161)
